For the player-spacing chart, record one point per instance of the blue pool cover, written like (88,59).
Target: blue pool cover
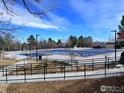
(83,53)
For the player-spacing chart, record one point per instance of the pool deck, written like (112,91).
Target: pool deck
(80,58)
(16,55)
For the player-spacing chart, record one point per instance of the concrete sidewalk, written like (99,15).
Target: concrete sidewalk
(60,76)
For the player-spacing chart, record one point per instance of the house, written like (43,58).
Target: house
(98,44)
(110,45)
(120,38)
(24,47)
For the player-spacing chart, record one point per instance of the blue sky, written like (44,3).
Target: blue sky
(94,18)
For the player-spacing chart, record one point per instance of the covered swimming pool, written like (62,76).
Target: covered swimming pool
(82,53)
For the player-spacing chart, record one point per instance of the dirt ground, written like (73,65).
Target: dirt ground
(72,86)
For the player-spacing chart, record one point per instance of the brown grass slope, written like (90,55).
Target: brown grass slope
(72,86)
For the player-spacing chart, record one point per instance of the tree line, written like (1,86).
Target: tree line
(50,43)
(8,43)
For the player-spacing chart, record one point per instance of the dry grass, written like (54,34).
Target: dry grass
(3,88)
(13,61)
(7,62)
(72,86)
(52,67)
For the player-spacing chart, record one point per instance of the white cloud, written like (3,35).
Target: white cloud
(35,25)
(23,17)
(99,14)
(57,20)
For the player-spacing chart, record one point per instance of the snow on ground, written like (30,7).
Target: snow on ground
(79,58)
(60,76)
(16,55)
(60,57)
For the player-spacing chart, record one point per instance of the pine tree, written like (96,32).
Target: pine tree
(121,26)
(72,41)
(31,42)
(80,41)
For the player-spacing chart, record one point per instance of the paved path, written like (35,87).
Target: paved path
(60,76)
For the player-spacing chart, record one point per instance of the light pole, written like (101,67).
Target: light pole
(36,47)
(115,43)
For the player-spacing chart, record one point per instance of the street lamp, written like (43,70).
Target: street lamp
(36,47)
(115,42)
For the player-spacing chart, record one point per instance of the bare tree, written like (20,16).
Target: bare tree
(46,6)
(5,29)
(8,6)
(4,26)
(36,7)
(8,38)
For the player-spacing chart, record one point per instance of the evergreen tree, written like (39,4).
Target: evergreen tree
(89,41)
(121,26)
(31,42)
(72,41)
(59,43)
(50,40)
(80,41)
(122,22)
(121,29)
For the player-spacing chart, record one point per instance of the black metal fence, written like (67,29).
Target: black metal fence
(25,72)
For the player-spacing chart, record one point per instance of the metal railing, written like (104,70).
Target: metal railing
(23,72)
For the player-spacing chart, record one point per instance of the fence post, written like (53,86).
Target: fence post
(6,76)
(46,67)
(108,63)
(31,68)
(44,72)
(16,70)
(84,71)
(64,71)
(92,64)
(3,70)
(105,65)
(61,67)
(77,66)
(71,63)
(25,74)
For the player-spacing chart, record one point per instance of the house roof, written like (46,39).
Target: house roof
(121,36)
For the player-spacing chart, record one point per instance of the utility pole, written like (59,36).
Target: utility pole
(115,43)
(36,47)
